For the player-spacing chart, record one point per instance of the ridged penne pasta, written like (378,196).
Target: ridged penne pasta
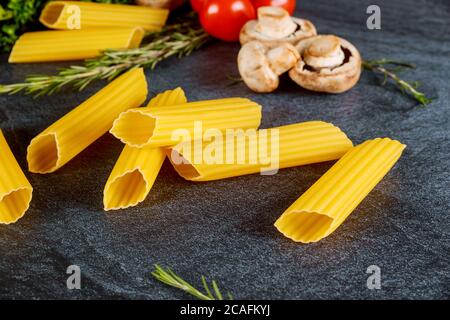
(15,190)
(137,168)
(268,149)
(42,46)
(324,206)
(164,126)
(60,15)
(71,134)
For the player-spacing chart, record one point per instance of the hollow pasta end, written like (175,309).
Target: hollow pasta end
(51,13)
(134,128)
(125,191)
(14,205)
(304,226)
(43,154)
(182,165)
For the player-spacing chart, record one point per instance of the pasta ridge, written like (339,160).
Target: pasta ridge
(328,202)
(56,15)
(298,144)
(155,126)
(79,128)
(136,169)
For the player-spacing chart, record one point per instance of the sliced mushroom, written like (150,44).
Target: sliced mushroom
(328,64)
(260,64)
(274,26)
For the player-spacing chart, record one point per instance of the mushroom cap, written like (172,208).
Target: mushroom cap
(327,64)
(260,65)
(274,25)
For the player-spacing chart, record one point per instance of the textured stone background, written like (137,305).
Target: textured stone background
(224,229)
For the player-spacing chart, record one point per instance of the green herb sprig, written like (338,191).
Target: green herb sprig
(178,39)
(15,17)
(168,277)
(388,69)
(5,14)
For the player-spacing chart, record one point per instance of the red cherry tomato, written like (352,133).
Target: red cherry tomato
(197,5)
(224,19)
(289,5)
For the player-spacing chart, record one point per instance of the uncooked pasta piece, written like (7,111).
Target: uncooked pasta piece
(324,206)
(262,151)
(66,138)
(43,46)
(62,15)
(15,190)
(167,126)
(137,168)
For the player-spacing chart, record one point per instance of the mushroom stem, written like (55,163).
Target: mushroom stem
(324,52)
(275,22)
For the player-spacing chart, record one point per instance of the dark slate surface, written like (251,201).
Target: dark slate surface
(224,229)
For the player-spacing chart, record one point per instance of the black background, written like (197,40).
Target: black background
(224,229)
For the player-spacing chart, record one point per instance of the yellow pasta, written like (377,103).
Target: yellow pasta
(261,151)
(63,15)
(42,46)
(137,168)
(15,190)
(324,206)
(166,126)
(71,134)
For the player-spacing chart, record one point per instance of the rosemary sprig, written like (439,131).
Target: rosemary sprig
(382,66)
(178,39)
(168,277)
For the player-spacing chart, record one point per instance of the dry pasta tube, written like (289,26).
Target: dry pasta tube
(137,168)
(263,151)
(66,138)
(15,190)
(43,46)
(168,125)
(88,15)
(324,206)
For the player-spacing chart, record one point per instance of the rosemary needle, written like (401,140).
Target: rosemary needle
(382,67)
(168,277)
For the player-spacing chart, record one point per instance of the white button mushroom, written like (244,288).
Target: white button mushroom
(274,26)
(328,64)
(260,65)
(275,23)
